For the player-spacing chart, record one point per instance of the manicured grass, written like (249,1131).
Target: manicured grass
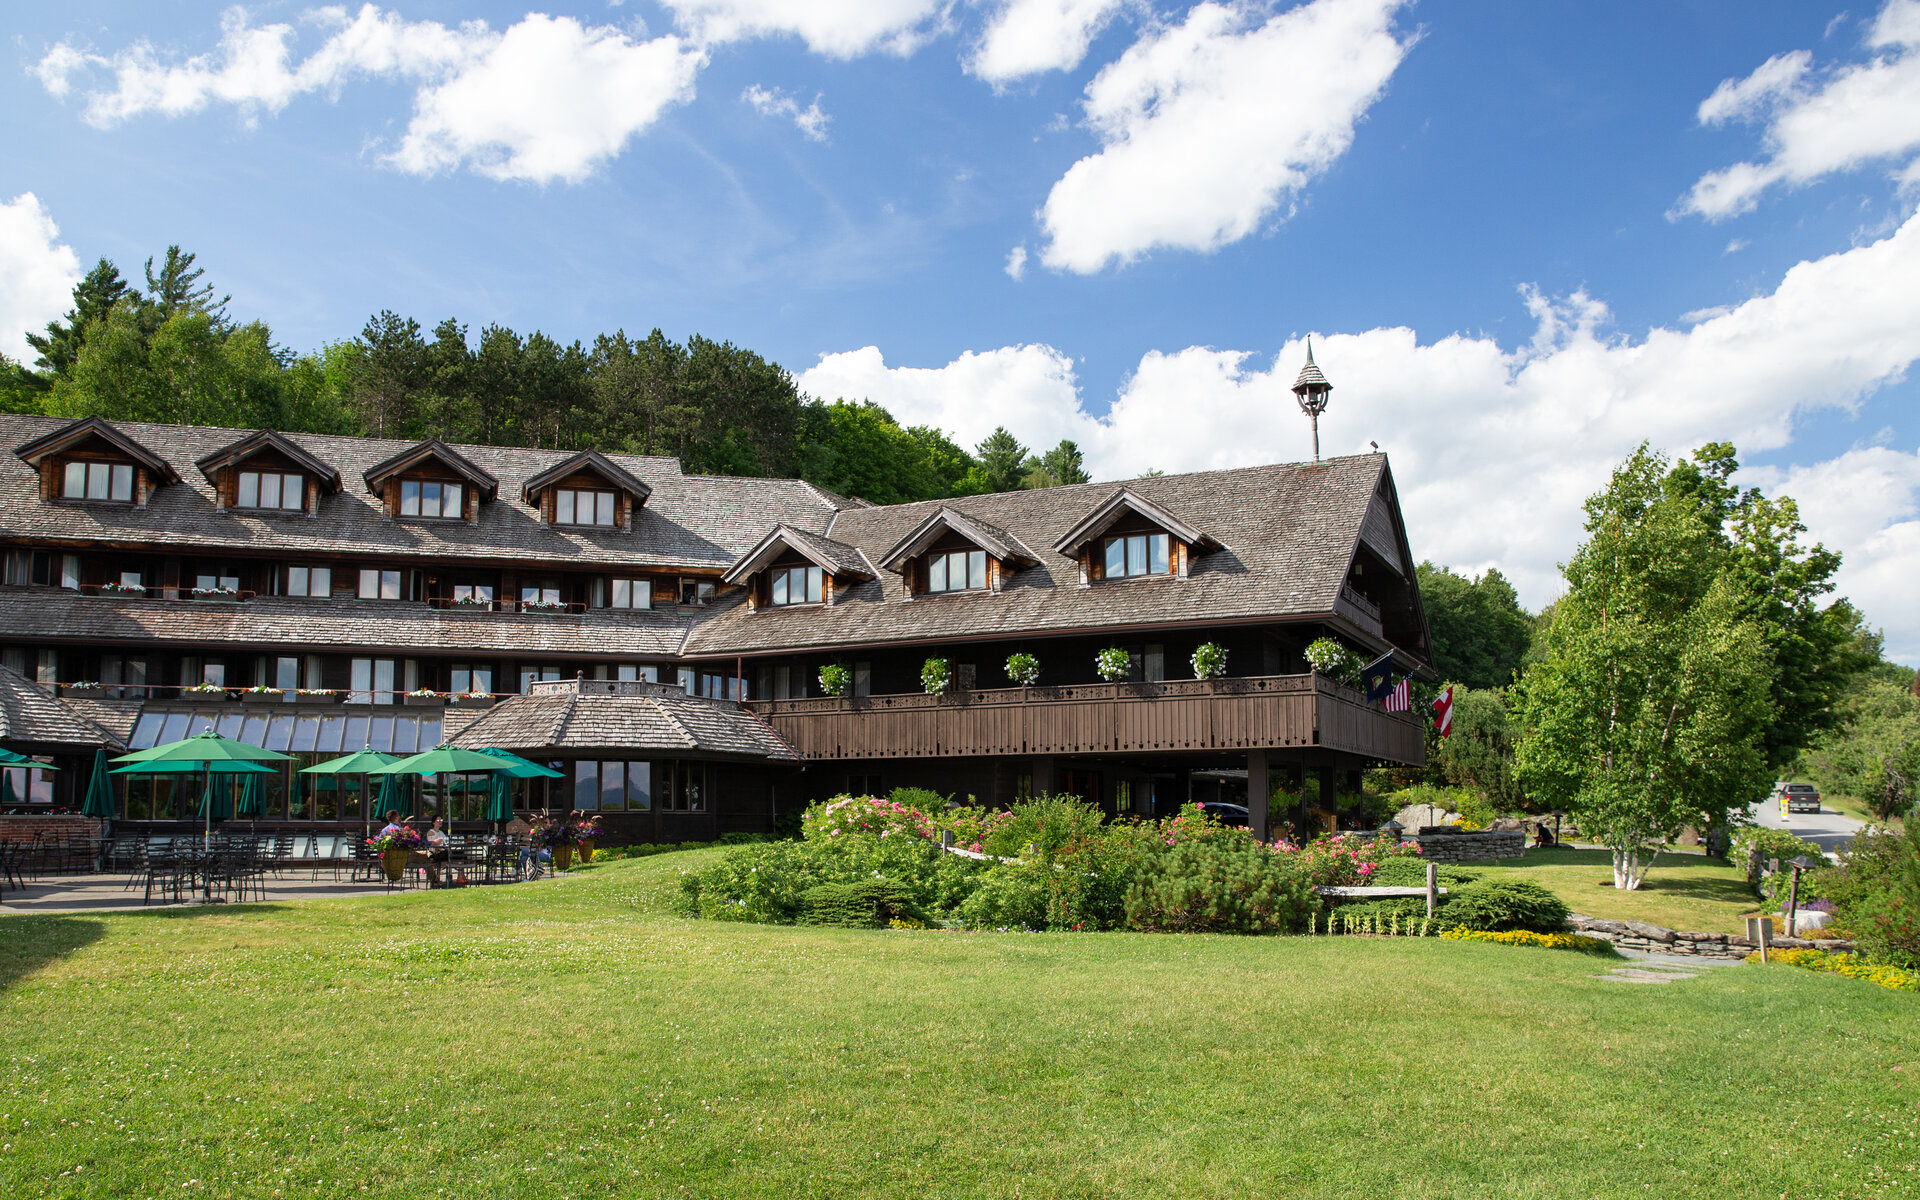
(570,1038)
(1682,891)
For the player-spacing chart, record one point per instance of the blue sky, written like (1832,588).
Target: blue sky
(1507,224)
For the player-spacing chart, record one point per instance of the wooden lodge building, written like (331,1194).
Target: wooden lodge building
(659,637)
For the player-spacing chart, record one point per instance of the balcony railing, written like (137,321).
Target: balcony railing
(1271,711)
(1367,612)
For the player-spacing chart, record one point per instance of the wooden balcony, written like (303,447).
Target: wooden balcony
(1273,712)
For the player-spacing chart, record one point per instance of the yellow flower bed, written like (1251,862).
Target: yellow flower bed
(1522,937)
(1842,963)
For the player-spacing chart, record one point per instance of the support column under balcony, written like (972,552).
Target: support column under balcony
(1258,790)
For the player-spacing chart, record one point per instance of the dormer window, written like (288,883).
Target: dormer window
(796,585)
(98,481)
(957,571)
(432,498)
(270,489)
(579,506)
(1139,554)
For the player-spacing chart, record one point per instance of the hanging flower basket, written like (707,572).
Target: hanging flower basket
(563,857)
(1113,664)
(394,863)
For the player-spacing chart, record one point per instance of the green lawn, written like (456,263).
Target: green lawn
(1682,891)
(570,1038)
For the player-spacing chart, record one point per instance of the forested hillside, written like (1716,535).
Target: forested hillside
(170,351)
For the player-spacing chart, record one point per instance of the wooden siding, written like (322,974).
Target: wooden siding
(1271,712)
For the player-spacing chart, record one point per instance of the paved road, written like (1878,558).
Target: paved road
(1826,829)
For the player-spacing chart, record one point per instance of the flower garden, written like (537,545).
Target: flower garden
(1057,863)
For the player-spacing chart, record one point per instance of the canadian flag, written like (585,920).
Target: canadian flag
(1443,713)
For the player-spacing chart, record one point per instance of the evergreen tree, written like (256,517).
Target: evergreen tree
(177,288)
(93,298)
(1003,460)
(390,374)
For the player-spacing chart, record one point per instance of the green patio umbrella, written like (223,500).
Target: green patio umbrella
(215,805)
(444,760)
(193,768)
(99,799)
(389,799)
(520,768)
(6,789)
(207,749)
(253,797)
(500,800)
(358,763)
(11,759)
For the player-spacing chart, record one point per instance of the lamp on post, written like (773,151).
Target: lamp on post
(1799,864)
(1312,389)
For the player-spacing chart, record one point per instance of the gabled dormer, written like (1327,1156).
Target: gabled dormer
(430,481)
(791,567)
(1128,536)
(953,552)
(91,462)
(268,473)
(587,491)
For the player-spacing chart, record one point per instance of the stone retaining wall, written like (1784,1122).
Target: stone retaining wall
(1468,847)
(1655,939)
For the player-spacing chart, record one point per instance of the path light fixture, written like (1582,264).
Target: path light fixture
(1799,864)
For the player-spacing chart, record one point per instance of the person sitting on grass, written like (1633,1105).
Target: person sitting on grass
(1542,836)
(438,846)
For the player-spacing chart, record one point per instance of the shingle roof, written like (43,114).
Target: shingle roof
(266,439)
(603,715)
(835,558)
(55,435)
(55,615)
(984,534)
(29,716)
(438,450)
(1287,535)
(1118,505)
(688,521)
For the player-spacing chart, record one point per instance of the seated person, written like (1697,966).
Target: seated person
(393,823)
(1542,836)
(438,847)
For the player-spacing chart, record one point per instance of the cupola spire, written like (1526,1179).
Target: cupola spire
(1312,389)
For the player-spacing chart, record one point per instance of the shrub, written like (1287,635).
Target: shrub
(767,882)
(972,825)
(1048,823)
(1219,885)
(863,904)
(1501,905)
(1411,871)
(844,815)
(1753,845)
(1876,894)
(1330,658)
(925,801)
(1010,897)
(1343,860)
(1465,801)
(1023,669)
(1209,661)
(742,839)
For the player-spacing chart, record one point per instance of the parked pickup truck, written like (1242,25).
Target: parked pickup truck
(1798,798)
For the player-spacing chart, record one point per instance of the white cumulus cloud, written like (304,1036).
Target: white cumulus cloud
(1495,447)
(37,273)
(835,28)
(1029,37)
(546,98)
(1818,123)
(772,102)
(1207,126)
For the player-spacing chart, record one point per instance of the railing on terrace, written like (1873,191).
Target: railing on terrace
(1234,713)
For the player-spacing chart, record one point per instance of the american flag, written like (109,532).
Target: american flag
(1400,699)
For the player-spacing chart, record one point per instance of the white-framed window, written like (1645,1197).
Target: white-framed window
(470,677)
(214,582)
(271,489)
(1138,554)
(629,593)
(376,584)
(797,585)
(315,582)
(578,506)
(431,498)
(532,674)
(97,481)
(371,681)
(959,571)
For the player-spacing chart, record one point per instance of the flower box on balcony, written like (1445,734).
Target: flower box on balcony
(84,689)
(127,590)
(263,695)
(423,698)
(547,607)
(206,693)
(318,696)
(218,595)
(473,700)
